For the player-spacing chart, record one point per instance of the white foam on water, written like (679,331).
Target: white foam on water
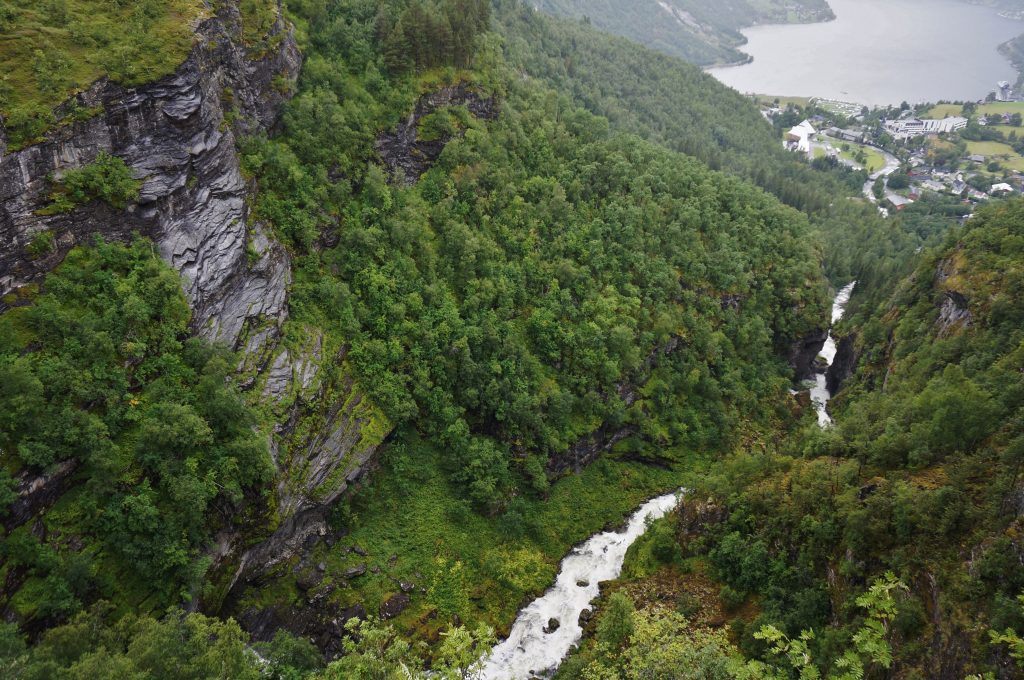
(529,651)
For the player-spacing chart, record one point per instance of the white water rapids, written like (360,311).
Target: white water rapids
(819,393)
(529,651)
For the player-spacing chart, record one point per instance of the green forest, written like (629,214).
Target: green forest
(565,273)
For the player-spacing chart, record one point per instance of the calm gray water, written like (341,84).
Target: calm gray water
(880,52)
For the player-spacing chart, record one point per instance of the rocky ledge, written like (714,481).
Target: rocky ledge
(178,137)
(405,155)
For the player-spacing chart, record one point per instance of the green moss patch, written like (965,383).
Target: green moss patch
(50,49)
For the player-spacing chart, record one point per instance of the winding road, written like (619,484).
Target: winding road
(891,165)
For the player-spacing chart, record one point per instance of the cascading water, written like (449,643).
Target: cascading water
(535,648)
(819,393)
(529,651)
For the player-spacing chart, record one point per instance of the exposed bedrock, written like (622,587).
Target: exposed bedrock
(175,136)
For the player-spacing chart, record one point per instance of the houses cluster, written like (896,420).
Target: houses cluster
(925,179)
(906,128)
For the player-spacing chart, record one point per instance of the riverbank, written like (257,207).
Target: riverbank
(411,548)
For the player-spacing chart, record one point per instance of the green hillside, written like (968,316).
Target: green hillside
(557,273)
(699,32)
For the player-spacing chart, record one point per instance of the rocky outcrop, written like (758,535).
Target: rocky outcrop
(801,353)
(844,363)
(317,619)
(954,313)
(175,136)
(35,493)
(331,436)
(405,155)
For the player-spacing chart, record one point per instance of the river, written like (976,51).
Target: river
(529,650)
(879,52)
(534,647)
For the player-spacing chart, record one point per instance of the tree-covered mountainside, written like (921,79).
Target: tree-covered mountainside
(662,99)
(548,289)
(335,390)
(920,477)
(700,32)
(503,277)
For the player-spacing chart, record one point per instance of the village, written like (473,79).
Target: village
(963,153)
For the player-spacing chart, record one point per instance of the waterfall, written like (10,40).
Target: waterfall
(819,393)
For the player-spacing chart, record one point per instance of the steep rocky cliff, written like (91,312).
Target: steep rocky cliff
(844,364)
(801,353)
(178,136)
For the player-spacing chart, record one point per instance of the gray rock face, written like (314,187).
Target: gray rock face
(954,313)
(35,493)
(802,352)
(320,467)
(175,137)
(405,155)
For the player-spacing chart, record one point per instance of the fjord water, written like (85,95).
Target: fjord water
(529,651)
(879,52)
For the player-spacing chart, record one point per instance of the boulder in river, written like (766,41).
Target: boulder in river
(553,625)
(582,583)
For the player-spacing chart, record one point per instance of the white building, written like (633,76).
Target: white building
(914,127)
(1001,188)
(799,138)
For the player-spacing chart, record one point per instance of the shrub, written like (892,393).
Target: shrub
(731,598)
(41,244)
(108,178)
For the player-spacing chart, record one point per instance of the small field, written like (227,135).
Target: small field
(875,160)
(1002,107)
(997,151)
(769,100)
(945,111)
(1007,129)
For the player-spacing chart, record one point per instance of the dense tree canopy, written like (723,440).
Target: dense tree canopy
(503,301)
(99,373)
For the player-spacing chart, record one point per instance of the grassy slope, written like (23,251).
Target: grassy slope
(49,51)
